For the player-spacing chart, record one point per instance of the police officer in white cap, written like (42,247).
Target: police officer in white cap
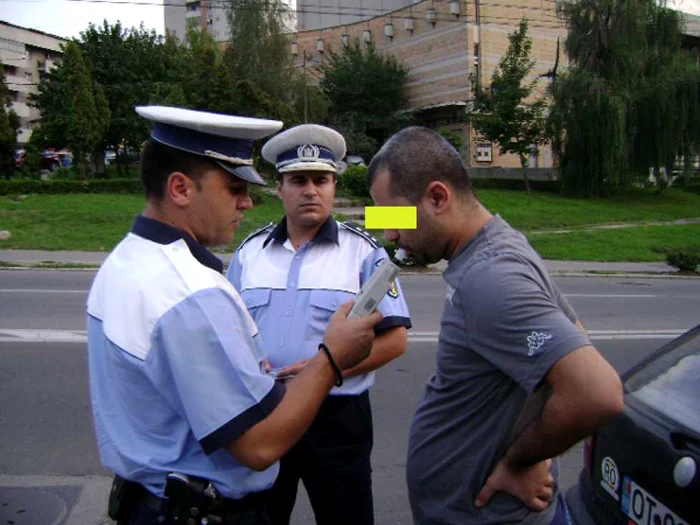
(185,412)
(292,276)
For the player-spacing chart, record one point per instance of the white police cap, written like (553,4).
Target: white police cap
(226,139)
(307,147)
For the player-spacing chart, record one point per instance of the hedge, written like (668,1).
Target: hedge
(55,187)
(687,259)
(353,181)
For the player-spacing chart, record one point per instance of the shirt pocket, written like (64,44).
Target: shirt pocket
(322,305)
(256,301)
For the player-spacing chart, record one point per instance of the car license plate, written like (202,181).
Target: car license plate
(644,509)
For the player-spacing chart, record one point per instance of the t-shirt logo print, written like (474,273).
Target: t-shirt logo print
(535,341)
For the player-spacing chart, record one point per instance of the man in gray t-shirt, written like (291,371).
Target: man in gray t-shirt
(517,380)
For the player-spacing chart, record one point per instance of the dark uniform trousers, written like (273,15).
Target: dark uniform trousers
(333,462)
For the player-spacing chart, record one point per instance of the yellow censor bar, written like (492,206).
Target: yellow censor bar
(390,217)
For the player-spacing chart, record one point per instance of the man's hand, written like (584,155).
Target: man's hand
(350,340)
(291,370)
(534,485)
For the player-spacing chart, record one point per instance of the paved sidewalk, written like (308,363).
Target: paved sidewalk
(29,258)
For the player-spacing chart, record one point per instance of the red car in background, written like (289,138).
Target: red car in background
(50,159)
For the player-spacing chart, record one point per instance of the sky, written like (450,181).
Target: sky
(67,18)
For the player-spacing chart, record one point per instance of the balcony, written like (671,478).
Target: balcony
(22,110)
(19,84)
(11,58)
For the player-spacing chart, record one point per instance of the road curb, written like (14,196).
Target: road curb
(24,266)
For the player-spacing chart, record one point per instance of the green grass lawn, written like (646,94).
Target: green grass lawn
(91,222)
(544,211)
(96,222)
(623,244)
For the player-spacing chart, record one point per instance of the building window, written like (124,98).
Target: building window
(533,160)
(484,152)
(28,77)
(192,6)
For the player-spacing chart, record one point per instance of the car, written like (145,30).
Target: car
(350,160)
(110,156)
(642,467)
(49,160)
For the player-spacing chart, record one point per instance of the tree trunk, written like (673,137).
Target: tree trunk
(523,161)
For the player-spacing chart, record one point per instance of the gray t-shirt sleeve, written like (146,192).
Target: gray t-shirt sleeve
(514,321)
(564,304)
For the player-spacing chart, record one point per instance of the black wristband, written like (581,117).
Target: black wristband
(336,370)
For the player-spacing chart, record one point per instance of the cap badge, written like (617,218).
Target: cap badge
(308,152)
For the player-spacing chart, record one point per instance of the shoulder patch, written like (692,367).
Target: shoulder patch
(359,230)
(265,229)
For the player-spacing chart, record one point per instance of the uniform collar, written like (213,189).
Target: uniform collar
(327,233)
(162,233)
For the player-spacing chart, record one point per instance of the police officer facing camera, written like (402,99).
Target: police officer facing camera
(185,413)
(292,276)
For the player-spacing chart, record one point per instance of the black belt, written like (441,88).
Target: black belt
(226,508)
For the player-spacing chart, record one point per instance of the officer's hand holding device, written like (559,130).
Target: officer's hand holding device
(375,289)
(349,341)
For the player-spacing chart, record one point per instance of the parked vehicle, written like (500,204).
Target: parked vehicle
(350,160)
(643,467)
(49,160)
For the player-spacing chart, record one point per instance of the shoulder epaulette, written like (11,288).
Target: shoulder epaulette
(359,230)
(265,229)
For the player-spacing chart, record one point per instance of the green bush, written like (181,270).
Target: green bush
(63,173)
(257,194)
(685,258)
(55,187)
(353,181)
(688,182)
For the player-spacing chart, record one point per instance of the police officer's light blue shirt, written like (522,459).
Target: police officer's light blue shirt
(174,359)
(292,294)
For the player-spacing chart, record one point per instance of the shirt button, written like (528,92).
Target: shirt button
(291,285)
(296,256)
(287,313)
(281,345)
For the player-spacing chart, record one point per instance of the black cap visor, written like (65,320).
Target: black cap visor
(246,173)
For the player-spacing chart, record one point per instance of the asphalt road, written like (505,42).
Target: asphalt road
(47,438)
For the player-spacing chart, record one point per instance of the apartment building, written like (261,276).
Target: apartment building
(26,56)
(319,14)
(205,14)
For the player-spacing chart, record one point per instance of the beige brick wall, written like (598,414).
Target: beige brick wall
(440,57)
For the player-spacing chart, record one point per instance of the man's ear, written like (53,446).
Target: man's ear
(179,188)
(279,186)
(438,196)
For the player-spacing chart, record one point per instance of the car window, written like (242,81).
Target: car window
(670,383)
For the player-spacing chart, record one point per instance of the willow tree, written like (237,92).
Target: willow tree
(628,100)
(258,49)
(667,106)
